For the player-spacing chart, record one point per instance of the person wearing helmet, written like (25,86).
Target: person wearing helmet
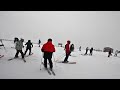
(67,51)
(29,46)
(48,49)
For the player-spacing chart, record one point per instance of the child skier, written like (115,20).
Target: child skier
(29,46)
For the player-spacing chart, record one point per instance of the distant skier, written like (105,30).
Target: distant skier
(29,46)
(67,50)
(80,48)
(109,53)
(48,49)
(91,51)
(18,47)
(39,42)
(86,51)
(116,52)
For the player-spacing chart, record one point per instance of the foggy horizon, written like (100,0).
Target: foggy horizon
(97,29)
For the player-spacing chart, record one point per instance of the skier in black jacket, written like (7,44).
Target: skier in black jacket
(29,46)
(86,51)
(109,53)
(91,51)
(39,42)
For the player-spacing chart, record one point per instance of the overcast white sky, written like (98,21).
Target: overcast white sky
(86,28)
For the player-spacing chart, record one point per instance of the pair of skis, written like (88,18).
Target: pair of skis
(66,62)
(50,72)
(17,58)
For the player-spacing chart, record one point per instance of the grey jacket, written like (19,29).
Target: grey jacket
(19,45)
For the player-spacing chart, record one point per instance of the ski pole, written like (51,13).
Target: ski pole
(41,61)
(54,59)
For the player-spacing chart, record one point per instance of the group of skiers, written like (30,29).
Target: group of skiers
(91,51)
(19,46)
(48,48)
(110,53)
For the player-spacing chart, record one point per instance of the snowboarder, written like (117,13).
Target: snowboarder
(29,46)
(86,51)
(80,48)
(91,51)
(18,47)
(48,49)
(67,50)
(39,42)
(109,53)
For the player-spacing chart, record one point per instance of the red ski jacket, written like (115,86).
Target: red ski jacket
(48,47)
(67,48)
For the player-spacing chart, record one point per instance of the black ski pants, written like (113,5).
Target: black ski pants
(48,56)
(27,50)
(19,51)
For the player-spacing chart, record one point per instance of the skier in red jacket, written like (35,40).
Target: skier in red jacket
(48,49)
(67,50)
